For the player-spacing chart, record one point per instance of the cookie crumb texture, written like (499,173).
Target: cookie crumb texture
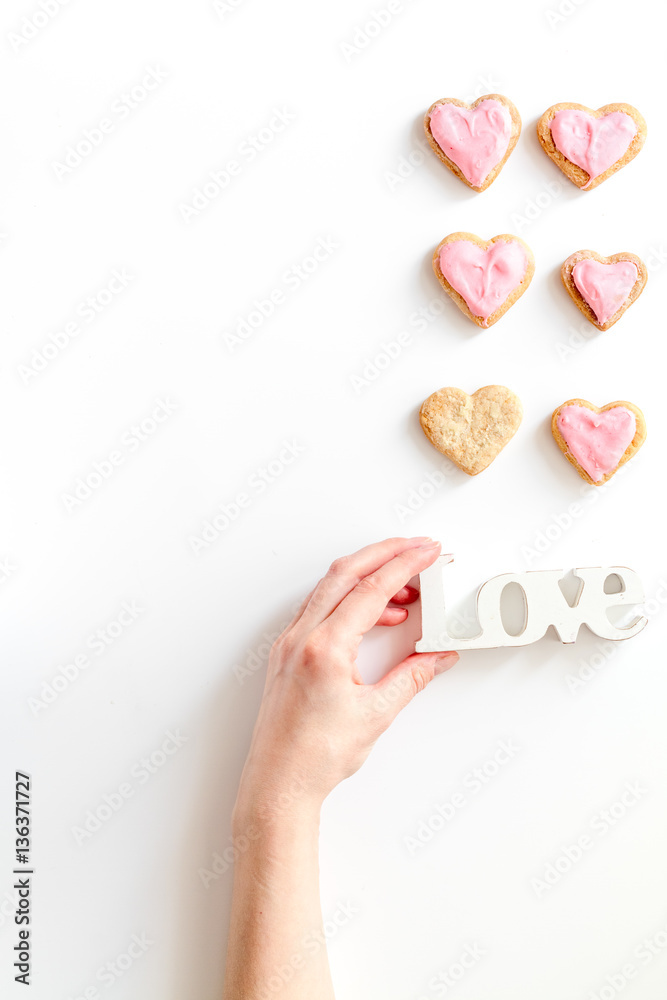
(471,430)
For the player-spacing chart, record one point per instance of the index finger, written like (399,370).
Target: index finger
(358,612)
(345,573)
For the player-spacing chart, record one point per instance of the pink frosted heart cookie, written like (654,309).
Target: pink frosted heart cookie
(603,287)
(598,441)
(473,140)
(589,146)
(483,277)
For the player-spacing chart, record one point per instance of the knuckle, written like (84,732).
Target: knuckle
(370,584)
(313,650)
(317,598)
(285,643)
(340,566)
(421,677)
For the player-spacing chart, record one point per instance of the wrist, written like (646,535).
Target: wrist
(267,800)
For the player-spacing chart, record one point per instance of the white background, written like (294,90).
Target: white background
(330,174)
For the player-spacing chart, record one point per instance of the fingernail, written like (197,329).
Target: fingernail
(446,660)
(416,543)
(430,544)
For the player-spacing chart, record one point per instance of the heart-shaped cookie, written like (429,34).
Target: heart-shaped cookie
(473,140)
(603,287)
(597,441)
(589,146)
(484,277)
(471,430)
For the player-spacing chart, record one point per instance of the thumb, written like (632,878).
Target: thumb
(408,678)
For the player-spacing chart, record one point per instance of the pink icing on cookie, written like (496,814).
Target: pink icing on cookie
(475,139)
(484,278)
(594,144)
(604,286)
(597,441)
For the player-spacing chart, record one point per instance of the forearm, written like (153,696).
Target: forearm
(275,945)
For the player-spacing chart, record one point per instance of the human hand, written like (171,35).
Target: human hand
(318,720)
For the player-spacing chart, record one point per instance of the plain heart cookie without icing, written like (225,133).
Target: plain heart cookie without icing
(484,277)
(471,430)
(603,287)
(598,441)
(589,146)
(473,140)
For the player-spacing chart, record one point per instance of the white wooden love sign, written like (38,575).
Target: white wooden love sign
(544,605)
